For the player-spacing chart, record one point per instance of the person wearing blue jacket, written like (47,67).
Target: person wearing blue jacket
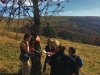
(78,64)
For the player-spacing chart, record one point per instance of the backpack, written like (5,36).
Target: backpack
(79,61)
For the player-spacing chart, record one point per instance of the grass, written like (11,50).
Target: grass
(9,55)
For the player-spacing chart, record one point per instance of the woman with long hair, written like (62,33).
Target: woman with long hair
(48,49)
(24,56)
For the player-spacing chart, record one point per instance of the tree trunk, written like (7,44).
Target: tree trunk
(37,56)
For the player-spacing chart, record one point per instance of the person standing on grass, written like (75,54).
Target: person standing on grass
(24,49)
(49,48)
(55,44)
(74,69)
(59,61)
(32,51)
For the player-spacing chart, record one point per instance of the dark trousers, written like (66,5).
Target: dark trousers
(32,60)
(55,70)
(46,61)
(76,72)
(32,63)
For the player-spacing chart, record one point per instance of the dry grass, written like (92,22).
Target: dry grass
(9,55)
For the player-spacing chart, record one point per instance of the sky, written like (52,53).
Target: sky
(81,8)
(78,7)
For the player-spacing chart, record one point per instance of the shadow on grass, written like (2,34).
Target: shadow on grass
(19,73)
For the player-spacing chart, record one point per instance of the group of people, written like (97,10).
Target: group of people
(27,51)
(61,63)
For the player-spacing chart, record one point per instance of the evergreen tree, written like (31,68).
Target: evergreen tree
(48,31)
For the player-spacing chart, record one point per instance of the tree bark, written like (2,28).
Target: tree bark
(37,46)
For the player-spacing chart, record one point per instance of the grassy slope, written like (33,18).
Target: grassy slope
(9,53)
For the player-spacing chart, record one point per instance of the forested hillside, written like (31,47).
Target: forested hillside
(81,29)
(78,29)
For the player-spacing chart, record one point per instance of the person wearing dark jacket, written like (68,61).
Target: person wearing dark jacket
(59,62)
(49,48)
(77,66)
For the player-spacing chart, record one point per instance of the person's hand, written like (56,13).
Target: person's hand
(45,52)
(32,49)
(73,73)
(78,67)
(50,53)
